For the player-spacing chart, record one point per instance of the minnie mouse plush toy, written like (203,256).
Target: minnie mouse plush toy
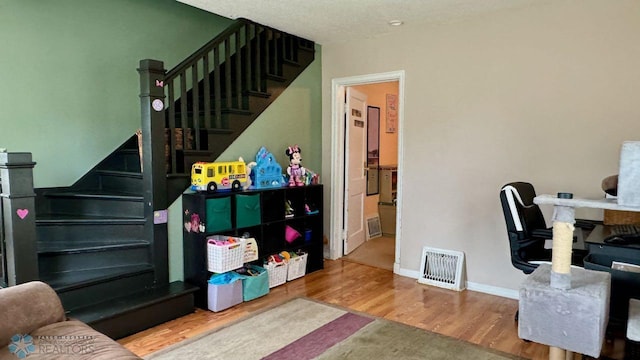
(295,171)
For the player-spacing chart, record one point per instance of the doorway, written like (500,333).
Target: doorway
(390,158)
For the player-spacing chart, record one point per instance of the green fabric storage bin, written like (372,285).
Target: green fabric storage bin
(247,210)
(218,214)
(254,287)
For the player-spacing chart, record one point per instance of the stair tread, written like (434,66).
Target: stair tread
(44,219)
(132,174)
(258,93)
(131,302)
(203,153)
(291,62)
(129,151)
(69,280)
(97,194)
(79,246)
(236,111)
(220,131)
(276,77)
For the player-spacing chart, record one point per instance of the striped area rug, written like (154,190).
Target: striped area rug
(303,329)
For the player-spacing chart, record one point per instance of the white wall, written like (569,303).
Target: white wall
(543,94)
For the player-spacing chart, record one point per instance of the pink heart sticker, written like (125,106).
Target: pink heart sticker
(22,213)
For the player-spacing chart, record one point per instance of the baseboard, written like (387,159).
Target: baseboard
(493,290)
(414,274)
(487,289)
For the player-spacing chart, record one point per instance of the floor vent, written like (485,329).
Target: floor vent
(374,229)
(442,268)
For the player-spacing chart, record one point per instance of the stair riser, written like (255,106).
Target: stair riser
(66,232)
(121,183)
(99,207)
(141,319)
(93,294)
(51,263)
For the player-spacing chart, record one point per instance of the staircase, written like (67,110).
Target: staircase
(98,245)
(93,249)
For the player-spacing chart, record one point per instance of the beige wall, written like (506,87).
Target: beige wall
(376,96)
(545,94)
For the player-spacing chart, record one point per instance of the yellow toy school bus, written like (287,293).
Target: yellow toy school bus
(211,176)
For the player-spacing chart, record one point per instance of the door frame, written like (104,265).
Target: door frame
(336,219)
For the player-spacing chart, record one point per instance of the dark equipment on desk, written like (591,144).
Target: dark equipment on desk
(624,239)
(624,234)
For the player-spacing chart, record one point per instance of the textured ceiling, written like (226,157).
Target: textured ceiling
(325,21)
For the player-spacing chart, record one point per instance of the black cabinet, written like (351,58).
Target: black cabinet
(288,218)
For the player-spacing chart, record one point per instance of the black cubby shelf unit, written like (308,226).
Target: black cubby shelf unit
(268,215)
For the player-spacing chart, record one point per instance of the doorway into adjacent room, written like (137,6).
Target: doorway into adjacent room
(378,213)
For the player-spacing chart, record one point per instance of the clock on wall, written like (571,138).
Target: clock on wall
(157,105)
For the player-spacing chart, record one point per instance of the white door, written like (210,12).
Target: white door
(355,162)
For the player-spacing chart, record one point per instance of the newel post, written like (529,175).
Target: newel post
(152,96)
(19,217)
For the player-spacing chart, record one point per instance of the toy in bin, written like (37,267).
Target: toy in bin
(284,256)
(255,281)
(277,266)
(225,253)
(213,176)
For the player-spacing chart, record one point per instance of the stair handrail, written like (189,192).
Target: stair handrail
(234,61)
(198,54)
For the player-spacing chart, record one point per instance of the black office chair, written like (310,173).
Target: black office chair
(527,229)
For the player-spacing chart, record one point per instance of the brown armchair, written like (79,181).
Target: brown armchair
(33,325)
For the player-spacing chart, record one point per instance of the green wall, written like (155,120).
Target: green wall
(70,87)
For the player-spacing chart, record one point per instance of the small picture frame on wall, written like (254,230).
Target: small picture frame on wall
(392,113)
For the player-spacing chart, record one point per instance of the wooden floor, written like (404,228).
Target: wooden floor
(475,317)
(377,252)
